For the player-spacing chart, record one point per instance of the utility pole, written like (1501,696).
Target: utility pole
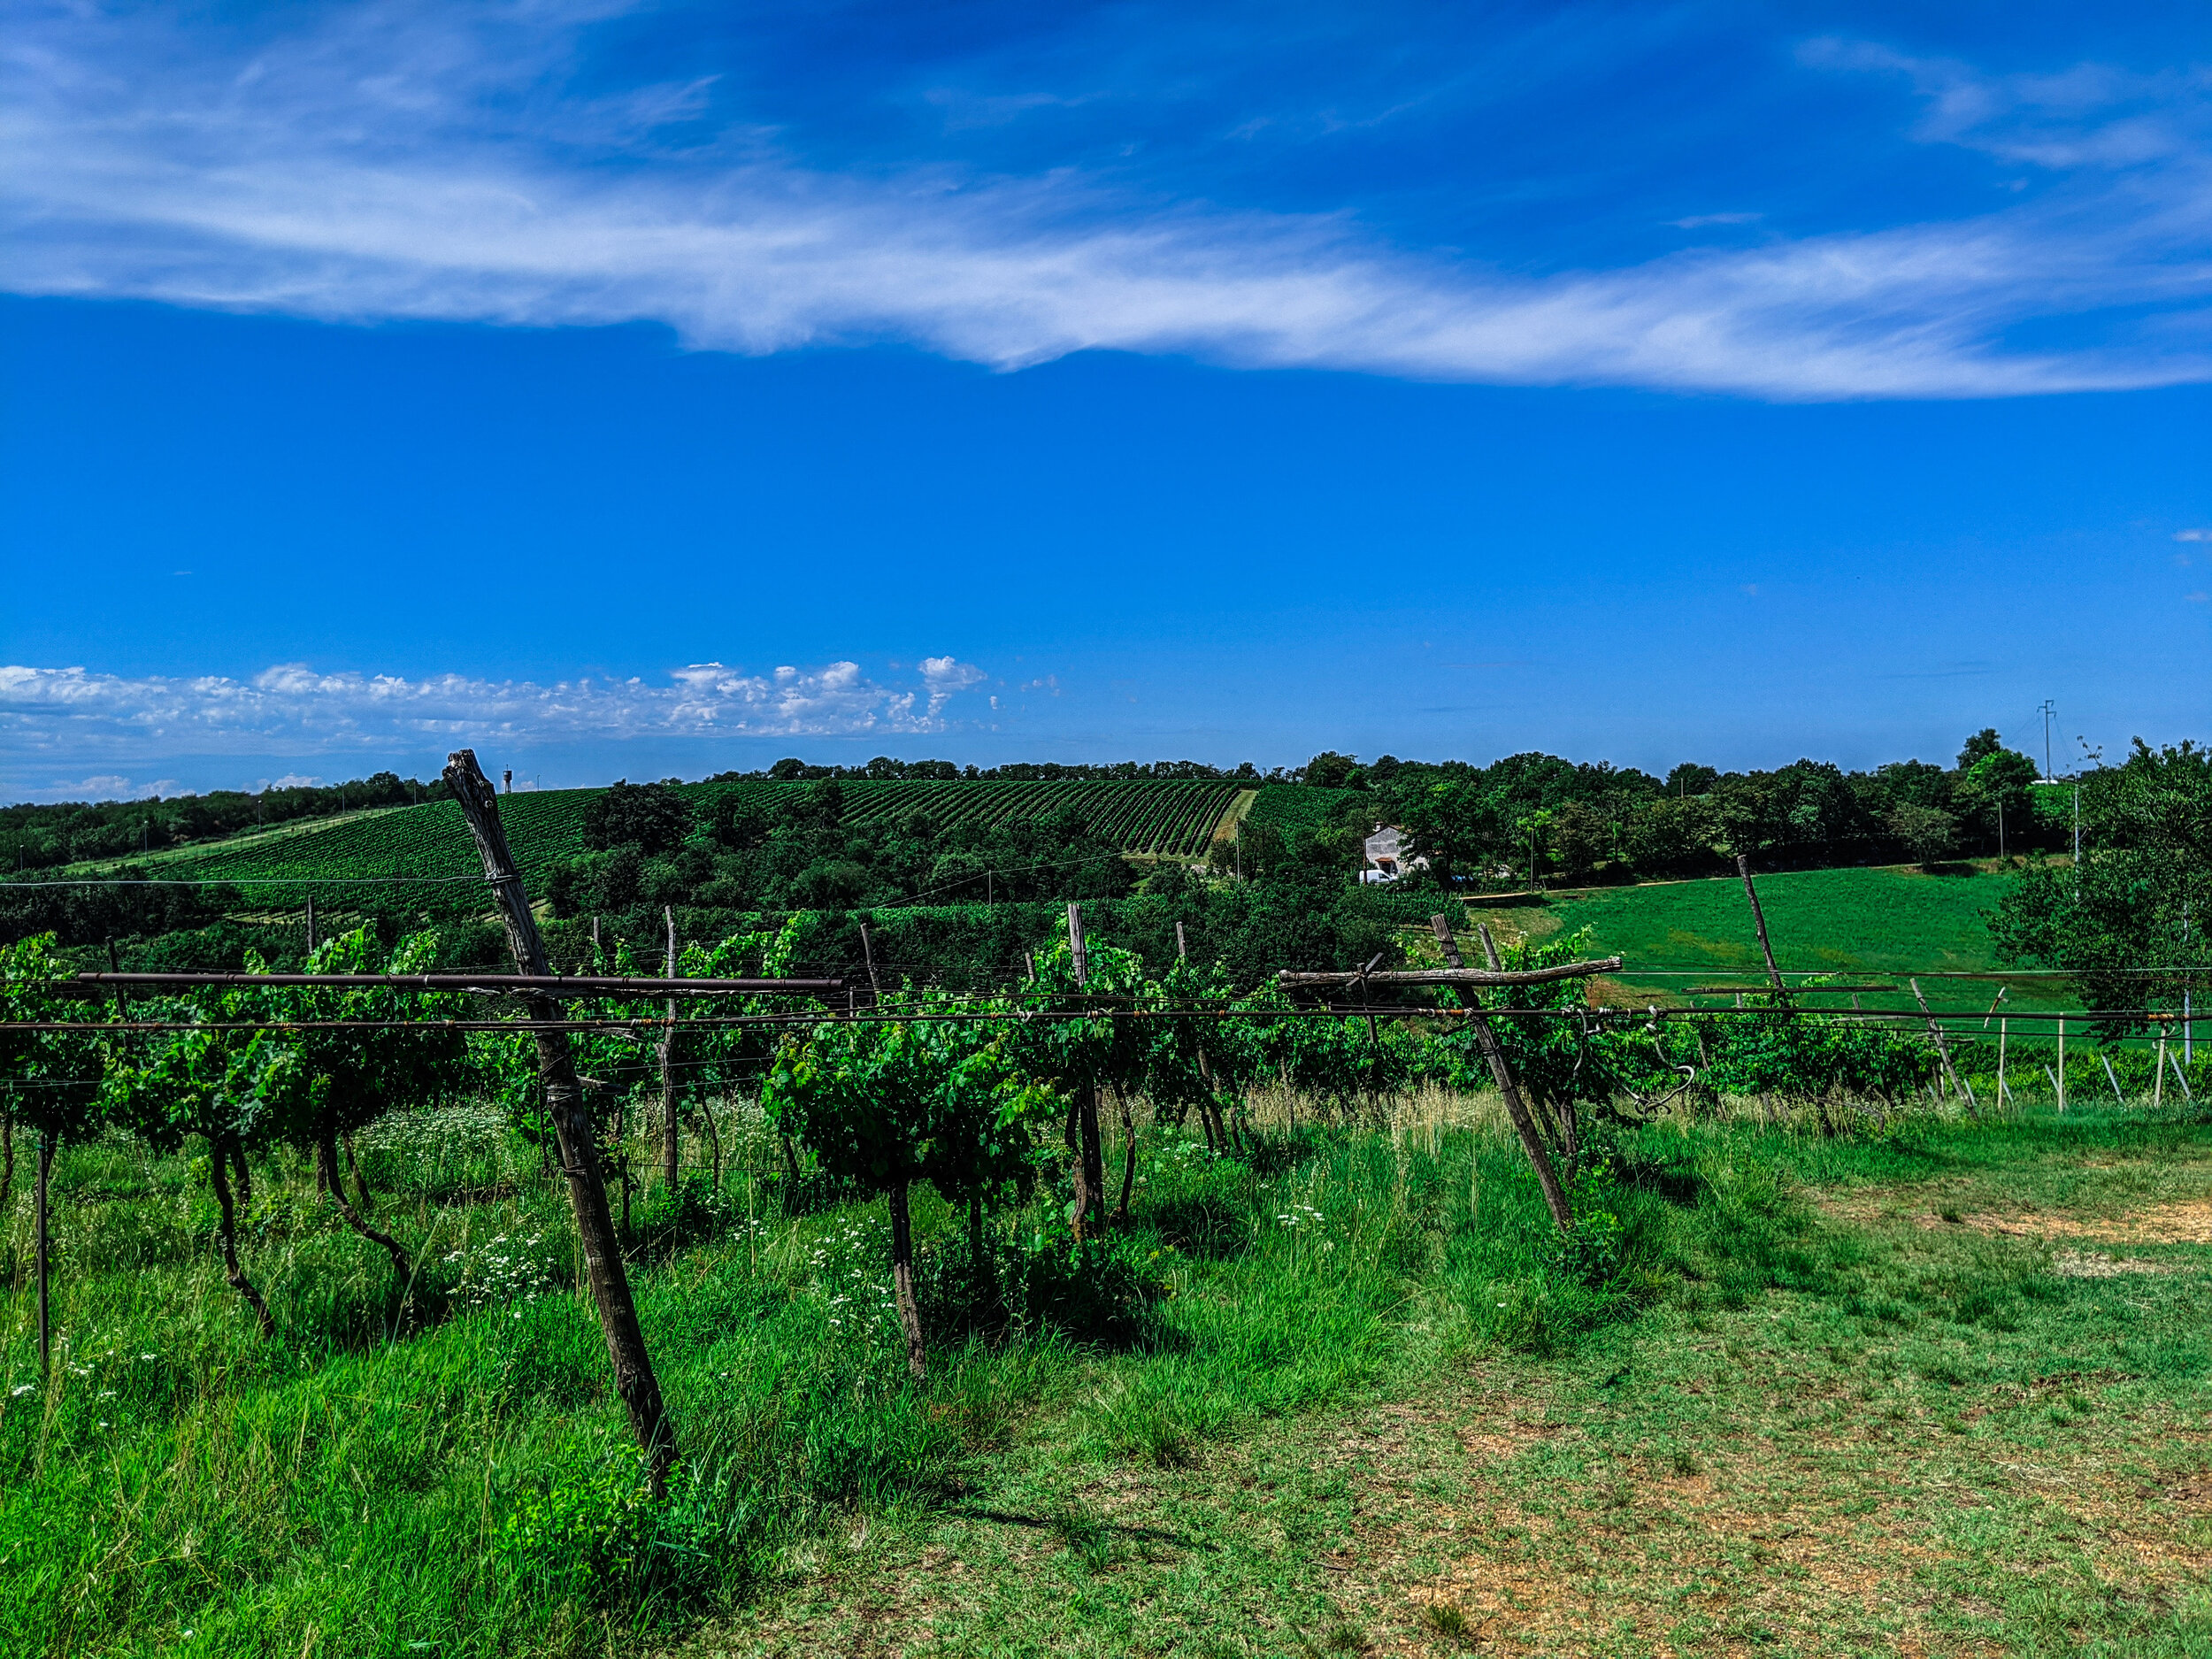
(2048,709)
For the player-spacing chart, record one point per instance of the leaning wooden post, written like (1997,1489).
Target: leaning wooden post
(1943,1048)
(1531,1141)
(670,1151)
(1758,920)
(868,951)
(633,1377)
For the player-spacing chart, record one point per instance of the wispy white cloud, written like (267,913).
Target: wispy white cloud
(293,709)
(2193,535)
(107,786)
(2086,115)
(397,162)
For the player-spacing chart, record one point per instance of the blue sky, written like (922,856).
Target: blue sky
(657,389)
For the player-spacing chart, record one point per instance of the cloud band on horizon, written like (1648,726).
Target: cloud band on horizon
(78,716)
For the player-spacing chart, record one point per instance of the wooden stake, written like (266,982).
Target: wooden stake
(1083,1138)
(903,1281)
(42,1245)
(868,951)
(671,1153)
(1523,1125)
(1759,920)
(1943,1048)
(2158,1072)
(633,1377)
(1489,949)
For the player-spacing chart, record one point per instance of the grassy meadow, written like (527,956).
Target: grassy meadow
(1880,920)
(1939,1390)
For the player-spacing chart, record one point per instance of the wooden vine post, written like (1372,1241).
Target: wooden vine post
(1758,920)
(633,1377)
(1515,1107)
(1082,1127)
(669,1149)
(1943,1048)
(42,1244)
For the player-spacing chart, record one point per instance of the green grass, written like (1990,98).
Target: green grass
(1802,1412)
(1892,920)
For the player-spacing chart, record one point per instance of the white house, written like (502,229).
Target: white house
(1386,855)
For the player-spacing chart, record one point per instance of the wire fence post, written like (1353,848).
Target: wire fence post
(601,1250)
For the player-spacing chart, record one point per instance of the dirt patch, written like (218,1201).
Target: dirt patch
(2188,1222)
(2183,1221)
(2096,1264)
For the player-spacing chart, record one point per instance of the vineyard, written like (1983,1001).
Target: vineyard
(323,1375)
(1163,819)
(1207,1267)
(1174,818)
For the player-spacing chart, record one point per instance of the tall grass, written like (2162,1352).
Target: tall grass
(441,1467)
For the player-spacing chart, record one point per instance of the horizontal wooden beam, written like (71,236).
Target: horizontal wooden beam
(1457,976)
(486,984)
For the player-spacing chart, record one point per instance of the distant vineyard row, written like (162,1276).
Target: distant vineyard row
(1168,818)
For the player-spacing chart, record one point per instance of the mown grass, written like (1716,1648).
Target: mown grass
(1366,1393)
(1887,920)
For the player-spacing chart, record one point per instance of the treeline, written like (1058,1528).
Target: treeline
(39,837)
(884,769)
(960,904)
(1535,816)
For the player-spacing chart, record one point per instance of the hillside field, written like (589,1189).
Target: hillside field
(1886,920)
(1146,818)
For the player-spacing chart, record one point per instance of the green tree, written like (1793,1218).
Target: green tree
(1329,770)
(1929,834)
(1980,747)
(2129,923)
(1995,790)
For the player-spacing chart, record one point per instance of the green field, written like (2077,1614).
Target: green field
(1889,920)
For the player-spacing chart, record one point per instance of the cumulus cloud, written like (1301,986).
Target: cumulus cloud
(292,706)
(398,162)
